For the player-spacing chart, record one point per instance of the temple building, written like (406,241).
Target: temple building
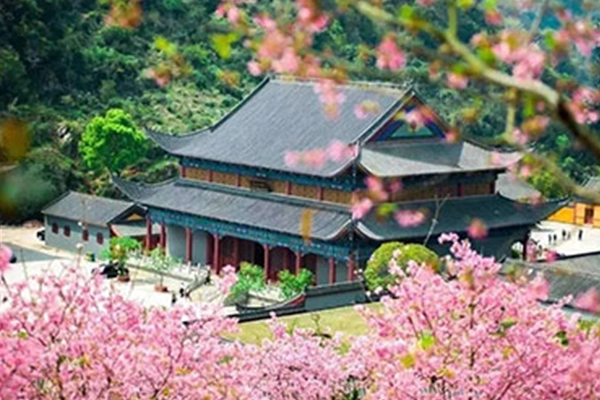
(237,199)
(581,211)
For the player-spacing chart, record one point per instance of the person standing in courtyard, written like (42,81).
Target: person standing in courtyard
(580,234)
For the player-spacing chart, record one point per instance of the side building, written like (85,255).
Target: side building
(91,221)
(237,199)
(581,211)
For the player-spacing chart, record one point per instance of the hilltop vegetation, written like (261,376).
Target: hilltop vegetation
(61,65)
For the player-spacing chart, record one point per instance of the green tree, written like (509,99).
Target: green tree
(112,142)
(161,263)
(377,274)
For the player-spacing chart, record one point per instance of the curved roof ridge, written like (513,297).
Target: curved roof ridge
(401,87)
(138,190)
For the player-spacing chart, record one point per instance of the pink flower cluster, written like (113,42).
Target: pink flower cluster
(527,59)
(473,336)
(584,105)
(337,152)
(462,334)
(389,56)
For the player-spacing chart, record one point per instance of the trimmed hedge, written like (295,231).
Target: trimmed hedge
(377,273)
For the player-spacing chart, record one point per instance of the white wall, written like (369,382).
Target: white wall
(176,242)
(199,248)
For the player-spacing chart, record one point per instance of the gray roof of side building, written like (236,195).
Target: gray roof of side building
(514,188)
(593,184)
(86,208)
(571,276)
(406,158)
(283,213)
(281,116)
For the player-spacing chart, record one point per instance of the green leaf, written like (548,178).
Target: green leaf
(465,3)
(508,323)
(222,43)
(427,340)
(406,13)
(407,361)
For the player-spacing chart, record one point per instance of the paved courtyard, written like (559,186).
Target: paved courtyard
(571,245)
(35,258)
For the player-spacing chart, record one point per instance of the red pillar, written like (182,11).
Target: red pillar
(236,253)
(288,187)
(351,263)
(163,236)
(216,255)
(298,262)
(238,180)
(148,243)
(320,193)
(209,248)
(267,261)
(286,259)
(182,171)
(188,245)
(331,270)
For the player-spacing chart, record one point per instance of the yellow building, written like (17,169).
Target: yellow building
(581,211)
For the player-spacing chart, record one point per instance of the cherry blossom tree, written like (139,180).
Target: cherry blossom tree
(471,335)
(513,57)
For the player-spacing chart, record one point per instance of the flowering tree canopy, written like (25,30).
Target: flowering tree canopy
(461,334)
(523,59)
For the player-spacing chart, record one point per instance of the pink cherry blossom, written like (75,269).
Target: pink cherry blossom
(361,208)
(5,256)
(376,188)
(409,218)
(254,68)
(291,158)
(389,56)
(588,301)
(457,81)
(477,229)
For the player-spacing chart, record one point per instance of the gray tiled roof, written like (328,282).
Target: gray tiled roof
(406,158)
(262,210)
(571,276)
(282,116)
(514,188)
(593,184)
(87,208)
(283,213)
(456,214)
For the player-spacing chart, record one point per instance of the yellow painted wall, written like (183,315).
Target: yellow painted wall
(565,214)
(580,213)
(596,216)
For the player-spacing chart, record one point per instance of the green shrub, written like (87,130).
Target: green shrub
(119,250)
(377,273)
(250,278)
(292,285)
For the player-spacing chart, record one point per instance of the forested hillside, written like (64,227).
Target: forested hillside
(64,62)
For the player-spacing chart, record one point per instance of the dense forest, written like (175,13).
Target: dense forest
(169,66)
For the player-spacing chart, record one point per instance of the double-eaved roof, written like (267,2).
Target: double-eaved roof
(88,209)
(286,115)
(280,213)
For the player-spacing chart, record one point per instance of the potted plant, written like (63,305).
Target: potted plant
(118,252)
(161,263)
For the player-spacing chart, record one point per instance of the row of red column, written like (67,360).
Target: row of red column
(213,247)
